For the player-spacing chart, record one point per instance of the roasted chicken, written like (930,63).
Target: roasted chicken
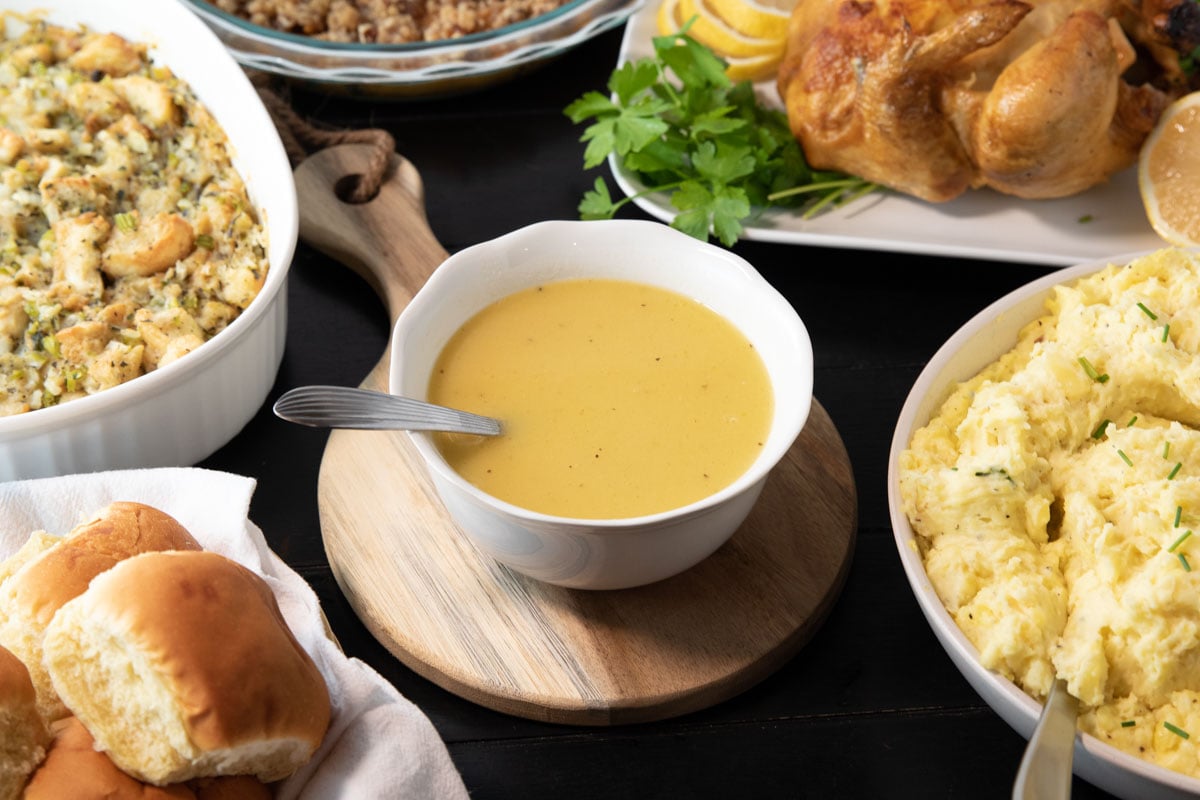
(1169,31)
(935,97)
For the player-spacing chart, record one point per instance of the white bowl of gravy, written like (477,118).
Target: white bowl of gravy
(647,383)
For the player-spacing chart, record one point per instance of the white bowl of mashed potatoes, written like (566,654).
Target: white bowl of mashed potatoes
(647,383)
(149,224)
(1044,486)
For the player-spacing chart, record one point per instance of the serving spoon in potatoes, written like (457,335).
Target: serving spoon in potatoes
(1045,772)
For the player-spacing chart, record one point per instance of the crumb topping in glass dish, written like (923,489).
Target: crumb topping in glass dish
(386,21)
(127,239)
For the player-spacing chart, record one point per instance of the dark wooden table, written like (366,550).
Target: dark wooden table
(871,707)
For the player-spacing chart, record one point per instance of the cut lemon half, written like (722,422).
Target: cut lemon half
(711,30)
(1169,173)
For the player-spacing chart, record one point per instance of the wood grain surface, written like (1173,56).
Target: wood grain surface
(521,646)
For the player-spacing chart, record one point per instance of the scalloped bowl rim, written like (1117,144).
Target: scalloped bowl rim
(787,422)
(302,43)
(366,65)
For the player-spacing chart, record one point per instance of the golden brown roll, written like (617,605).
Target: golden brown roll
(75,769)
(23,734)
(182,666)
(37,543)
(230,787)
(32,595)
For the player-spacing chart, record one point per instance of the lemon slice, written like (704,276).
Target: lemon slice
(763,20)
(710,29)
(668,17)
(1169,173)
(753,68)
(740,68)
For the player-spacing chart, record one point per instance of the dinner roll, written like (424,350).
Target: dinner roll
(230,787)
(30,598)
(23,735)
(75,770)
(181,665)
(38,542)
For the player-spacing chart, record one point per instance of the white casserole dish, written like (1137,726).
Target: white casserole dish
(180,414)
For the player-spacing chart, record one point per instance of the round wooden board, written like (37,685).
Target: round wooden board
(518,645)
(527,648)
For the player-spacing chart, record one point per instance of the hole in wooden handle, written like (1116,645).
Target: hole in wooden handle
(348,189)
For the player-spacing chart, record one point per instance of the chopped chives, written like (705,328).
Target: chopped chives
(1178,515)
(1182,538)
(1176,730)
(1124,457)
(1001,471)
(1091,371)
(1128,723)
(1096,434)
(1183,560)
(1175,470)
(206,241)
(1166,450)
(1132,420)
(1147,311)
(1166,332)
(126,222)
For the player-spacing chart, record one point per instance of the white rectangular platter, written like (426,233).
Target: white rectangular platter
(1105,221)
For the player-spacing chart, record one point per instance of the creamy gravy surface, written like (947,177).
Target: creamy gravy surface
(618,399)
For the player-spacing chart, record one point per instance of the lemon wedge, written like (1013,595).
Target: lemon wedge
(1169,173)
(712,30)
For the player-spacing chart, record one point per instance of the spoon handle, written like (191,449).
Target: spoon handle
(346,407)
(1045,772)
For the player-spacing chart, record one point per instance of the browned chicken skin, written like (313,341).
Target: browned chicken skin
(1169,30)
(932,97)
(1174,22)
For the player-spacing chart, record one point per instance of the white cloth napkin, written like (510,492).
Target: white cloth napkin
(379,744)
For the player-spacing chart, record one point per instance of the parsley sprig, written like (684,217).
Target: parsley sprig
(707,141)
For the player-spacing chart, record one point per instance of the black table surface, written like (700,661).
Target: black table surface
(871,706)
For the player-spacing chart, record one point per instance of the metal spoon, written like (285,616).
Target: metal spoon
(346,407)
(1045,772)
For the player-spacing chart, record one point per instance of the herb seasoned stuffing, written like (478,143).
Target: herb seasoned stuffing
(127,239)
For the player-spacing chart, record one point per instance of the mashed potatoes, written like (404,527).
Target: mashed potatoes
(1054,495)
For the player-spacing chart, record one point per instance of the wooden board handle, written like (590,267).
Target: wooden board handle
(527,648)
(386,240)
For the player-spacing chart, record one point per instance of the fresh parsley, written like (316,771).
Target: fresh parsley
(1189,60)
(707,141)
